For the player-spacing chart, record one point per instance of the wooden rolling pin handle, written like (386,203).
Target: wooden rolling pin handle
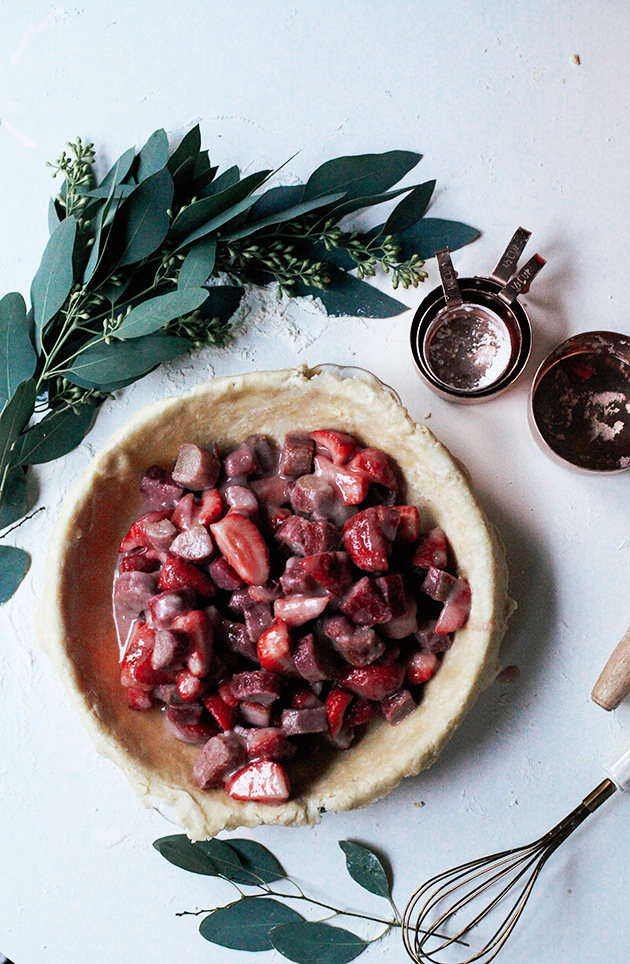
(613,684)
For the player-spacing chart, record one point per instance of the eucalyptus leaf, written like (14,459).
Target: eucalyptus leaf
(153,156)
(276,199)
(151,315)
(229,177)
(217,222)
(313,942)
(339,211)
(202,164)
(410,209)
(183,180)
(17,355)
(258,863)
(198,264)
(360,174)
(105,214)
(14,564)
(224,858)
(58,433)
(222,302)
(245,925)
(287,215)
(208,208)
(179,850)
(53,280)
(431,234)
(53,216)
(14,503)
(14,418)
(204,178)
(120,191)
(100,365)
(366,868)
(348,296)
(188,148)
(116,174)
(144,217)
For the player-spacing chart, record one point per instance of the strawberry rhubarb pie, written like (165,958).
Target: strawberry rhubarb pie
(306,599)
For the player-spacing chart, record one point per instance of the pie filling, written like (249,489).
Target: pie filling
(268,598)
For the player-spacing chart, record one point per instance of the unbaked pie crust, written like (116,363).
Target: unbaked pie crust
(76,628)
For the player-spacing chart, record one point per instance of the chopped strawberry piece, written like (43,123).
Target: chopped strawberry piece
(432,550)
(198,629)
(337,702)
(221,755)
(299,609)
(136,669)
(337,446)
(362,711)
(456,608)
(376,466)
(373,682)
(138,561)
(227,693)
(419,667)
(196,468)
(264,781)
(186,513)
(189,687)
(296,458)
(138,699)
(267,593)
(169,649)
(180,574)
(224,713)
(242,544)
(197,734)
(408,523)
(211,507)
(194,545)
(274,649)
(136,537)
(353,486)
(242,499)
(438,584)
(302,697)
(331,570)
(368,537)
(398,706)
(364,604)
(268,743)
(393,592)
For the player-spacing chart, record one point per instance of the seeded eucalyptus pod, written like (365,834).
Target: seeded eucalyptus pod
(151,263)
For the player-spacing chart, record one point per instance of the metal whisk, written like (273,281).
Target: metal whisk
(499,882)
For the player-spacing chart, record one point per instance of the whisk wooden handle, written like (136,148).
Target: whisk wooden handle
(613,684)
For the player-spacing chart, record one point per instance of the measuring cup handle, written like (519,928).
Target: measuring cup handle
(613,684)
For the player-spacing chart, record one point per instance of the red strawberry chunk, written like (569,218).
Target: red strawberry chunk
(274,649)
(138,698)
(242,499)
(353,486)
(180,574)
(456,608)
(243,546)
(376,466)
(408,523)
(299,609)
(136,537)
(158,487)
(337,702)
(364,604)
(194,545)
(393,592)
(221,755)
(331,570)
(368,537)
(420,667)
(301,697)
(197,734)
(306,537)
(374,682)
(211,507)
(264,781)
(266,593)
(296,458)
(196,468)
(337,446)
(198,629)
(438,584)
(136,669)
(268,743)
(398,706)
(169,649)
(432,550)
(189,686)
(138,561)
(186,513)
(227,693)
(362,711)
(306,720)
(358,646)
(257,686)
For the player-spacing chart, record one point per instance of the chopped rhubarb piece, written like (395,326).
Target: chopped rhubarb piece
(337,446)
(242,461)
(431,550)
(297,610)
(194,545)
(242,499)
(337,702)
(393,592)
(227,693)
(189,687)
(272,490)
(265,452)
(211,507)
(374,682)
(254,714)
(419,667)
(362,711)
(184,713)
(138,561)
(258,619)
(266,593)
(167,693)
(136,669)
(268,743)
(169,649)
(186,512)
(196,468)
(352,486)
(223,575)
(302,697)
(314,661)
(220,756)
(364,604)
(313,494)
(398,706)
(237,639)
(438,584)
(263,781)
(197,627)
(274,649)
(296,577)
(403,625)
(136,537)
(358,646)
(257,686)
(159,535)
(223,713)
(344,738)
(456,608)
(296,458)
(197,734)
(376,466)
(179,574)
(138,699)
(132,592)
(408,523)
(158,487)
(431,642)
(368,537)
(166,606)
(242,544)
(307,720)
(306,537)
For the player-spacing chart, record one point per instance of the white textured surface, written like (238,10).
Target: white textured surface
(515,133)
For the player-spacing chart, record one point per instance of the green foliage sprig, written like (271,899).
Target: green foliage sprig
(263,917)
(152,261)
